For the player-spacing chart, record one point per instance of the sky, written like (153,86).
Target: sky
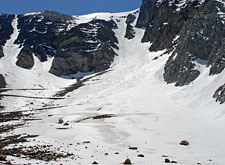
(73,7)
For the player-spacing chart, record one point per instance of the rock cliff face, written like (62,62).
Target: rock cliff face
(194,33)
(193,30)
(77,48)
(85,48)
(5,30)
(25,58)
(163,20)
(201,42)
(2,81)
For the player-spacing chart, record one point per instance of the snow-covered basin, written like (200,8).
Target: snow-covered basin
(149,114)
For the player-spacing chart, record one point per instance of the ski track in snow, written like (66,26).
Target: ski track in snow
(149,114)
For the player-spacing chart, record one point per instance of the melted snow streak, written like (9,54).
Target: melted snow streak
(148,114)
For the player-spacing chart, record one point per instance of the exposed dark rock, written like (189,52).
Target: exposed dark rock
(2,81)
(173,161)
(127,161)
(220,94)
(180,70)
(86,47)
(3,157)
(1,52)
(71,61)
(60,121)
(130,19)
(95,162)
(200,35)
(88,50)
(130,33)
(55,16)
(5,30)
(103,116)
(141,155)
(201,42)
(66,124)
(184,143)
(25,58)
(86,142)
(163,22)
(145,13)
(40,32)
(133,148)
(167,160)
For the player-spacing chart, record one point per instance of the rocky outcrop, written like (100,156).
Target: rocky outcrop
(86,48)
(5,30)
(163,20)
(145,15)
(220,94)
(180,70)
(25,58)
(1,52)
(39,31)
(201,42)
(2,81)
(199,32)
(130,33)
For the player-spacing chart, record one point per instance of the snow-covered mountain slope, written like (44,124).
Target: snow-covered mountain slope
(109,114)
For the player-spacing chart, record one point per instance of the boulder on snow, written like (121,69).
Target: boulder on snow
(184,143)
(95,162)
(167,160)
(60,121)
(127,161)
(3,157)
